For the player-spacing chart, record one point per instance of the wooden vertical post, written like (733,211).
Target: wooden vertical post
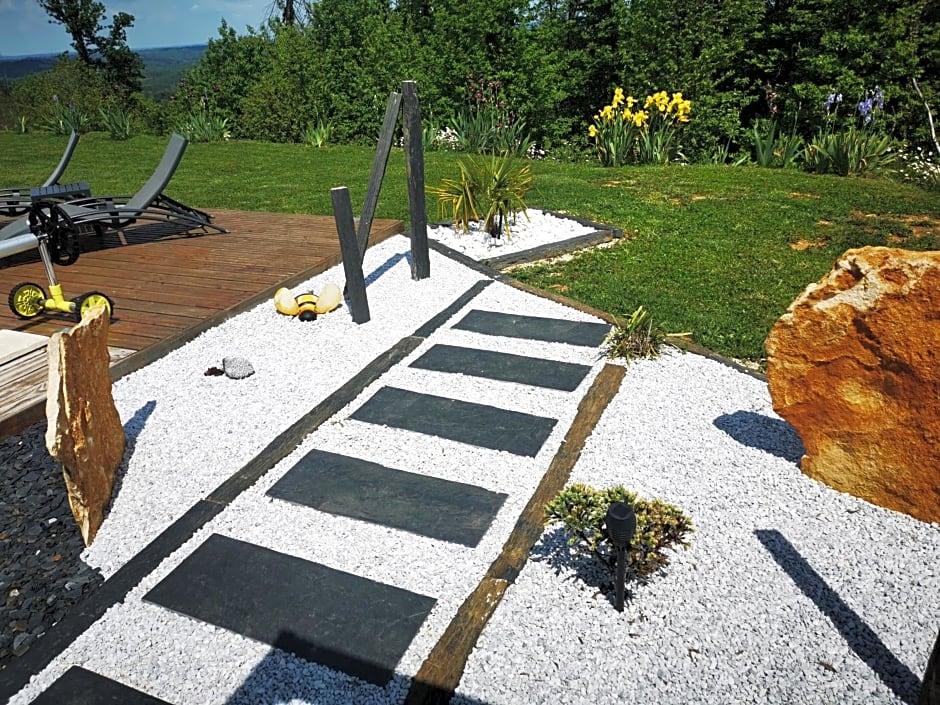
(414,170)
(352,261)
(378,170)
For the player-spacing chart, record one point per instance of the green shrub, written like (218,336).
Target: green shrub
(774,149)
(204,126)
(851,152)
(491,188)
(117,121)
(638,336)
(319,134)
(66,119)
(582,509)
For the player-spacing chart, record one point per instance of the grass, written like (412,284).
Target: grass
(716,250)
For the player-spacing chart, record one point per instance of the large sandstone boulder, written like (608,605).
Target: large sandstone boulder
(84,430)
(854,366)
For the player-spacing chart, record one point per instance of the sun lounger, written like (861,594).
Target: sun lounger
(65,222)
(15,200)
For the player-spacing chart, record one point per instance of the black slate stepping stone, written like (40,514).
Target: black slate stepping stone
(430,506)
(463,421)
(565,376)
(552,330)
(78,686)
(318,613)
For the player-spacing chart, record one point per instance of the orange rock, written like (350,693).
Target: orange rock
(84,430)
(854,367)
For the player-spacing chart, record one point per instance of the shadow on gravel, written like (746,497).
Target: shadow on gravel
(755,430)
(553,549)
(387,265)
(281,678)
(132,429)
(860,637)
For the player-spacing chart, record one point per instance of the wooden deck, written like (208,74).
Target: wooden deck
(167,287)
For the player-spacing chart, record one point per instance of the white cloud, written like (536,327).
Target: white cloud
(6,6)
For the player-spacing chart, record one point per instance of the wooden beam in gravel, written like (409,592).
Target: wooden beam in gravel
(440,674)
(352,259)
(414,171)
(379,164)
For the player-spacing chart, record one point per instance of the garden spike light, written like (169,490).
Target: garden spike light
(621,525)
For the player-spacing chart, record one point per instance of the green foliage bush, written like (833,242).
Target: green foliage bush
(491,188)
(581,510)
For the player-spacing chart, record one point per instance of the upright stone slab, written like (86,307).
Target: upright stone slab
(84,430)
(854,366)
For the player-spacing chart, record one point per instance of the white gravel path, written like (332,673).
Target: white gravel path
(726,623)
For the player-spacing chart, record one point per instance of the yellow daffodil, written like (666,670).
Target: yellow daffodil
(640,118)
(608,113)
(627,115)
(592,131)
(618,97)
(631,101)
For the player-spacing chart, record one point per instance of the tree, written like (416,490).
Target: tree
(107,52)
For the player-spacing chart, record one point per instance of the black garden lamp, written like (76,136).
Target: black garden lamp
(621,525)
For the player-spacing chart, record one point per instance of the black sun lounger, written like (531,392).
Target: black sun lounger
(65,222)
(16,200)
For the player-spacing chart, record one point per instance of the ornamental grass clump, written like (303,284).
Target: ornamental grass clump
(638,336)
(623,133)
(491,188)
(581,510)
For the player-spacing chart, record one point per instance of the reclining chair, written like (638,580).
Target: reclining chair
(16,200)
(54,228)
(63,223)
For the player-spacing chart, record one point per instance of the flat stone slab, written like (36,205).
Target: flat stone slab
(78,686)
(318,613)
(15,344)
(350,487)
(505,367)
(462,421)
(552,330)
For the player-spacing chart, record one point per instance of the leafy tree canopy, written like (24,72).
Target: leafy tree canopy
(103,47)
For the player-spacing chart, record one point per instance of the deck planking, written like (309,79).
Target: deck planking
(165,283)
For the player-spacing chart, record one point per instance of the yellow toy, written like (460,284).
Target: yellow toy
(307,306)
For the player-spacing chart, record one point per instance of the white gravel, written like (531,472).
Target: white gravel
(726,623)
(528,230)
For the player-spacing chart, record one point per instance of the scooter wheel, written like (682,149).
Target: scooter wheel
(86,302)
(27,300)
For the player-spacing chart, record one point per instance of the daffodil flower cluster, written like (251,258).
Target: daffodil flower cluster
(624,133)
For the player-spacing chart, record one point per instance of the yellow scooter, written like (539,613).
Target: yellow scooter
(27,299)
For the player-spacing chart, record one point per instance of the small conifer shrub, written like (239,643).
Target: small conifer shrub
(581,510)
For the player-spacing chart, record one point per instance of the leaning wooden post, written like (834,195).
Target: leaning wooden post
(352,262)
(414,170)
(378,170)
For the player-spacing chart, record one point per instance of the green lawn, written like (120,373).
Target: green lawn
(719,251)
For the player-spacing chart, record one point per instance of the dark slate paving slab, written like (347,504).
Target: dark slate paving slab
(565,376)
(430,506)
(78,686)
(323,615)
(552,330)
(466,422)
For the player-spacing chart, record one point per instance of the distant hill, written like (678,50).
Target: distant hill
(164,66)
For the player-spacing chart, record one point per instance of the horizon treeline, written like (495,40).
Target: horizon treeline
(553,64)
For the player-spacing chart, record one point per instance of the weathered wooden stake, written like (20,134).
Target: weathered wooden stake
(414,170)
(352,260)
(378,170)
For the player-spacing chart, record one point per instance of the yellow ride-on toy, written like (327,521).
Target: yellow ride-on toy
(58,242)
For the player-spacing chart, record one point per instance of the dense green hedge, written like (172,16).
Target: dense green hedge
(557,62)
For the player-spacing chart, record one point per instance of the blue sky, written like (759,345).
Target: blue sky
(25,28)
